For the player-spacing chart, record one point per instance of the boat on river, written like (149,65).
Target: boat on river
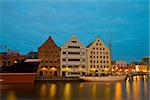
(17,77)
(103,78)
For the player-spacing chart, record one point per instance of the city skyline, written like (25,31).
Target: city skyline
(26,25)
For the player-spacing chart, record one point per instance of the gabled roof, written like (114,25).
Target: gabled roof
(49,39)
(71,39)
(90,44)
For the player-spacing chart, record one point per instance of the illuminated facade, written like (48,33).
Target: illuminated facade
(139,66)
(73,58)
(98,58)
(49,53)
(120,66)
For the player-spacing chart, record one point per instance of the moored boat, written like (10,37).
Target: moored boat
(103,78)
(17,77)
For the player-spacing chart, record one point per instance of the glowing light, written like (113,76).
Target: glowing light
(52,90)
(44,68)
(116,67)
(137,68)
(67,91)
(11,96)
(118,91)
(128,88)
(112,70)
(43,90)
(15,62)
(53,68)
(67,69)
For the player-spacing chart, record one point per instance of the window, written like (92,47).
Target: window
(73,59)
(91,52)
(104,61)
(74,41)
(83,66)
(63,66)
(97,66)
(64,59)
(73,46)
(73,52)
(97,61)
(91,66)
(83,60)
(96,43)
(91,61)
(100,48)
(107,61)
(100,44)
(103,48)
(106,52)
(8,62)
(97,56)
(90,56)
(97,48)
(64,52)
(94,56)
(93,48)
(103,56)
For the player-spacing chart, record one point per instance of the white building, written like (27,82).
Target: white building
(73,58)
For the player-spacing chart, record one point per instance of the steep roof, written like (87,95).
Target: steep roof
(90,44)
(49,39)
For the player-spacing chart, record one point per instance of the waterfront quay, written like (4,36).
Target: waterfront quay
(130,76)
(49,78)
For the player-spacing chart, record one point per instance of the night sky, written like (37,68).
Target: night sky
(25,25)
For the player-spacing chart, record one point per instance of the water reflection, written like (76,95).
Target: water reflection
(67,91)
(118,91)
(128,92)
(11,96)
(136,89)
(52,90)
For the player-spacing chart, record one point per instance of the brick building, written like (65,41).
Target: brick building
(49,53)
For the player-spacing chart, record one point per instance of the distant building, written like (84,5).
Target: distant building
(120,66)
(9,58)
(99,58)
(32,55)
(73,58)
(49,53)
(139,66)
(146,60)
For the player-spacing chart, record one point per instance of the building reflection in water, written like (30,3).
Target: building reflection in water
(107,91)
(145,86)
(52,90)
(11,96)
(94,93)
(136,87)
(118,91)
(128,91)
(43,91)
(67,91)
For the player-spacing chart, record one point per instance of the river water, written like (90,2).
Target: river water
(136,89)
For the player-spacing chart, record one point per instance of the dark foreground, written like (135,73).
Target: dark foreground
(136,89)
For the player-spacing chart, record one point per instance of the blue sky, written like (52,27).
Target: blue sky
(25,25)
